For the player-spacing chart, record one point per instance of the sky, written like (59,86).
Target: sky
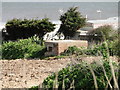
(53,1)
(59,0)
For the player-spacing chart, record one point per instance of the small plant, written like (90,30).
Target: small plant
(34,88)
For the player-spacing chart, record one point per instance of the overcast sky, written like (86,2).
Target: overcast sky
(59,0)
(53,1)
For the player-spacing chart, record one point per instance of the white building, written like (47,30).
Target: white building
(53,35)
(2,25)
(113,21)
(93,24)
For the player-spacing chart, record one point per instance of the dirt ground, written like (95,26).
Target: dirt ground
(26,73)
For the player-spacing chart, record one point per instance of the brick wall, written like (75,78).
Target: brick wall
(54,48)
(63,46)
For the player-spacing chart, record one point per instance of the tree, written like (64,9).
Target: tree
(103,33)
(22,29)
(72,20)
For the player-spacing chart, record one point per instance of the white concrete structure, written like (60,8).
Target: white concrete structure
(53,35)
(80,35)
(2,25)
(113,21)
(93,24)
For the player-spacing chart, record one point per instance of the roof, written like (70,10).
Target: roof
(109,20)
(61,41)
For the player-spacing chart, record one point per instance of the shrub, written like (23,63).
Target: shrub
(97,50)
(103,33)
(81,75)
(73,50)
(23,48)
(114,47)
(34,88)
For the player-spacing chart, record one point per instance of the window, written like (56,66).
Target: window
(50,49)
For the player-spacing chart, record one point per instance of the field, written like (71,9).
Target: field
(27,73)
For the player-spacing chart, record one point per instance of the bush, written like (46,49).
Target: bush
(107,47)
(103,33)
(98,50)
(80,77)
(23,48)
(34,88)
(73,50)
(114,47)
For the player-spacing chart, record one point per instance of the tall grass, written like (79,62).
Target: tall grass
(112,68)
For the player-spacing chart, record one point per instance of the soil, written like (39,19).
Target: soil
(27,73)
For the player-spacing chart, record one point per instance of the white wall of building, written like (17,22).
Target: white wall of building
(113,21)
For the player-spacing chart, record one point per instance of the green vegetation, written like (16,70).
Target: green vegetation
(101,74)
(23,29)
(24,48)
(72,20)
(103,33)
(73,50)
(118,42)
(80,76)
(97,50)
(104,73)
